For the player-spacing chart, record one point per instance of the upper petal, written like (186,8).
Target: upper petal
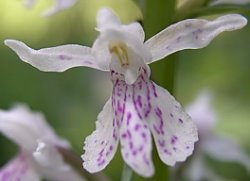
(25,128)
(58,6)
(191,34)
(135,29)
(55,59)
(101,145)
(50,164)
(20,169)
(135,136)
(106,18)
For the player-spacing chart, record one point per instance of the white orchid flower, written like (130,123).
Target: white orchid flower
(239,2)
(217,147)
(58,6)
(38,157)
(137,106)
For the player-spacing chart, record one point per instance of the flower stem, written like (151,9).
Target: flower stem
(127,173)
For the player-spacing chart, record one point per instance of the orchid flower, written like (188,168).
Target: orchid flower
(38,156)
(216,146)
(58,6)
(137,106)
(240,2)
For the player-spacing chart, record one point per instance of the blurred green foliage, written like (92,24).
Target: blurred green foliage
(72,100)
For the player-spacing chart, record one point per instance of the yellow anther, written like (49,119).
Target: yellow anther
(120,50)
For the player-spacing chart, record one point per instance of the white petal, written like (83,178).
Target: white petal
(101,145)
(226,150)
(106,18)
(191,34)
(25,128)
(59,6)
(51,164)
(55,59)
(135,29)
(173,130)
(19,169)
(135,138)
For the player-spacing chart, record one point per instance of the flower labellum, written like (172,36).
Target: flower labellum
(137,107)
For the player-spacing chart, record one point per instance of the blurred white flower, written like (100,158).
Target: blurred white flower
(137,107)
(58,6)
(216,146)
(38,156)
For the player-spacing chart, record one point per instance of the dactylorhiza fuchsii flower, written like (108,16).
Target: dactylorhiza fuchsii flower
(58,6)
(137,105)
(38,156)
(217,147)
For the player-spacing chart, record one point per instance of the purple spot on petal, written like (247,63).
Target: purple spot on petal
(88,62)
(101,163)
(174,139)
(134,153)
(129,115)
(129,134)
(180,120)
(137,127)
(145,159)
(161,143)
(124,135)
(64,57)
(167,152)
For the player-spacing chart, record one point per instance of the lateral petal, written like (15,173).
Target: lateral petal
(55,59)
(191,34)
